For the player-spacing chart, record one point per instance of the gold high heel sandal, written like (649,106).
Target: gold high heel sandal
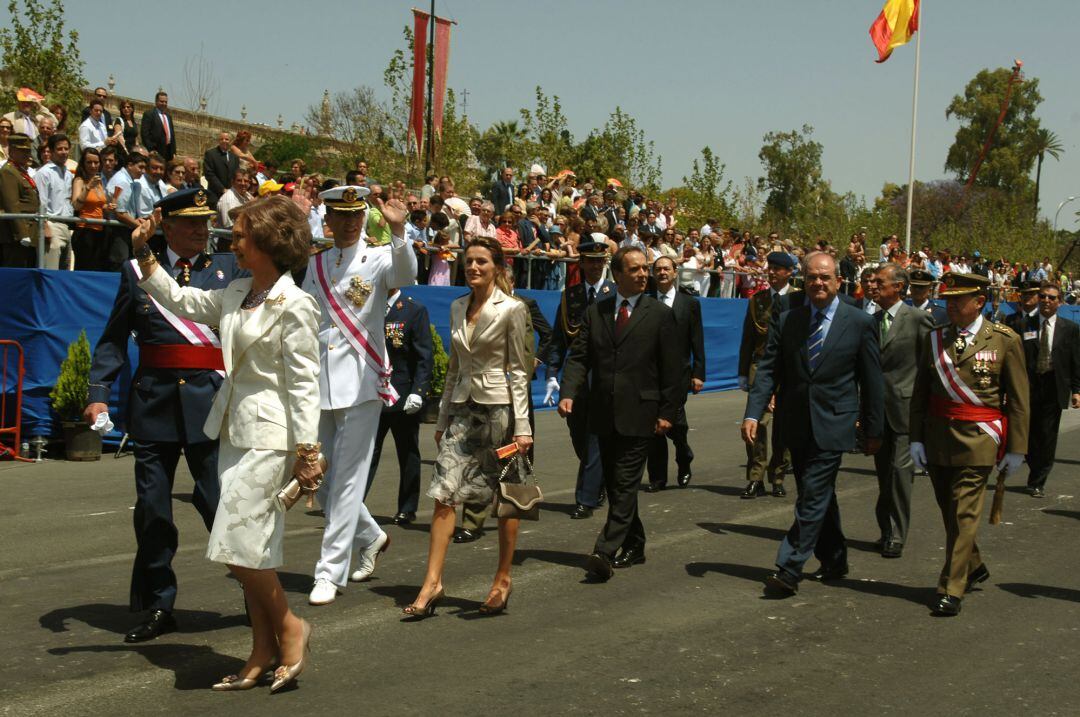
(489,608)
(415,613)
(285,675)
(232,683)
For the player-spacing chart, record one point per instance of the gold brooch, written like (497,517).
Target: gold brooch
(359,291)
(277,300)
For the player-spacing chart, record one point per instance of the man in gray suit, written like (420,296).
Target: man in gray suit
(902,329)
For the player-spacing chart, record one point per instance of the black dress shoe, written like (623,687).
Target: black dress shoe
(464,535)
(754,489)
(782,582)
(601,499)
(946,606)
(684,478)
(654,487)
(1037,492)
(778,490)
(160,623)
(628,557)
(892,549)
(834,572)
(403,518)
(581,512)
(598,566)
(979,575)
(879,544)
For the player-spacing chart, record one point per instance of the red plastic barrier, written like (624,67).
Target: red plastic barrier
(14,430)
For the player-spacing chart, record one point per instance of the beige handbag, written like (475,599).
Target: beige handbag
(292,491)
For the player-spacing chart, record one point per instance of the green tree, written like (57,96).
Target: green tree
(1008,161)
(619,150)
(1043,142)
(706,194)
(792,162)
(40,55)
(503,144)
(548,129)
(285,147)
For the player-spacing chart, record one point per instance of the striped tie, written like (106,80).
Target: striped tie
(816,340)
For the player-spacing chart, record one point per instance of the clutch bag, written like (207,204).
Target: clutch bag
(293,491)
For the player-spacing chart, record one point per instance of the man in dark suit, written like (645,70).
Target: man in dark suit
(903,329)
(503,191)
(102,94)
(408,344)
(690,336)
(1054,376)
(1025,321)
(179,373)
(576,299)
(157,128)
(820,360)
(473,515)
(626,358)
(219,167)
(922,282)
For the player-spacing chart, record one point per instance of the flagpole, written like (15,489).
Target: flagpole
(914,117)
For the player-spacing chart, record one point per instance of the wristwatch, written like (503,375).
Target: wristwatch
(144,254)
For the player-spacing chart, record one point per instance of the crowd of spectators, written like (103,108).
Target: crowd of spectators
(125,164)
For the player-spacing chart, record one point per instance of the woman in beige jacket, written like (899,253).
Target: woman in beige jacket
(266,412)
(485,402)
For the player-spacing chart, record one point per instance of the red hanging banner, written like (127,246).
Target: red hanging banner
(416,114)
(439,63)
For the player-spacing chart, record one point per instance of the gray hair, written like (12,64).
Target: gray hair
(897,273)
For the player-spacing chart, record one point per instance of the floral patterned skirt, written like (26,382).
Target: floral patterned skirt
(466,469)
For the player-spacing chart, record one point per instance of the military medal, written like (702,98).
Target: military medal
(359,291)
(395,333)
(363,258)
(605,290)
(399,305)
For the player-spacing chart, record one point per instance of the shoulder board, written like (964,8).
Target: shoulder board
(321,249)
(1002,329)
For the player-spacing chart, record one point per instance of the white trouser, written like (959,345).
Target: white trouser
(61,237)
(348,439)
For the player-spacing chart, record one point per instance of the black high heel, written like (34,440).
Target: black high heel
(415,613)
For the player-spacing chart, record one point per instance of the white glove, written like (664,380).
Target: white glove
(744,384)
(1011,462)
(552,388)
(102,424)
(25,241)
(413,402)
(918,455)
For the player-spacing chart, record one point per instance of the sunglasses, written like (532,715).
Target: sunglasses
(1051,297)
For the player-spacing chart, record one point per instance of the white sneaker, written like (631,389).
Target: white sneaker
(323,593)
(366,558)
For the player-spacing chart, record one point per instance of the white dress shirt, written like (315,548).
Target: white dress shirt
(93,133)
(668,297)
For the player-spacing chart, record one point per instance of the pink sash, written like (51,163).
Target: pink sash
(341,313)
(195,333)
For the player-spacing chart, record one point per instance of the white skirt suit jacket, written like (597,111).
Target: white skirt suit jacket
(268,403)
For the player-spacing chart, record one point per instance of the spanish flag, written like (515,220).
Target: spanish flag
(898,21)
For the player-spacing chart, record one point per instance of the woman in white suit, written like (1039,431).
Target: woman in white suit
(485,401)
(266,414)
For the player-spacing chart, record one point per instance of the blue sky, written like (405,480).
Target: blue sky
(719,73)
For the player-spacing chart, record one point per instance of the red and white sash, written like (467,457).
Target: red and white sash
(344,317)
(195,333)
(959,391)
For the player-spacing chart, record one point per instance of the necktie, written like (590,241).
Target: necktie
(184,277)
(136,195)
(886,322)
(29,127)
(1042,364)
(592,295)
(816,340)
(623,318)
(165,126)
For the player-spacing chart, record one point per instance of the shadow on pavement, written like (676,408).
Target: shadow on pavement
(1063,513)
(403,595)
(118,619)
(718,489)
(555,557)
(775,534)
(752,573)
(858,471)
(195,667)
(564,508)
(1030,590)
(917,595)
(388,520)
(295,582)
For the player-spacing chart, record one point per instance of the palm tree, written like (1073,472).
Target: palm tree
(1043,142)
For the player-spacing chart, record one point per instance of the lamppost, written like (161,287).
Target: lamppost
(1067,200)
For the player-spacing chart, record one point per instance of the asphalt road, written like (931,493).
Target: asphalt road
(688,632)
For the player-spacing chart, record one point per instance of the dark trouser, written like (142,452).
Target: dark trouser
(658,451)
(623,459)
(590,474)
(16,256)
(473,515)
(92,249)
(895,474)
(153,582)
(816,529)
(1045,421)
(406,430)
(959,491)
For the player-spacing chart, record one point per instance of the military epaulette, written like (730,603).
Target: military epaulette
(321,248)
(1002,329)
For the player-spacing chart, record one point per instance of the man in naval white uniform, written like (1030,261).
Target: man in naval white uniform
(351,281)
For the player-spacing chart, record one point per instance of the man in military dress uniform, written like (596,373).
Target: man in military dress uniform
(180,370)
(969,412)
(575,300)
(351,281)
(408,343)
(18,195)
(763,307)
(922,282)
